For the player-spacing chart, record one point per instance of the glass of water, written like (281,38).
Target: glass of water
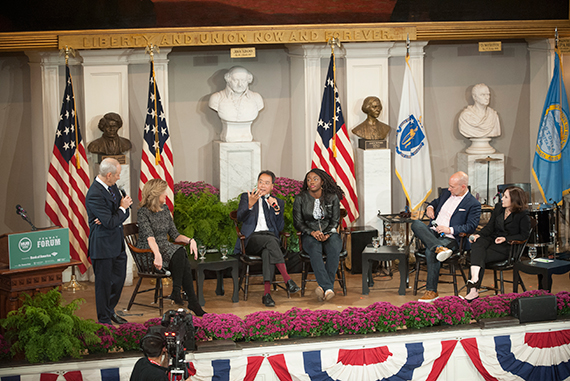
(202,251)
(224,251)
(376,242)
(532,253)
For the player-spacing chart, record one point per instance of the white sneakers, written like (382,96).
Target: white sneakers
(442,253)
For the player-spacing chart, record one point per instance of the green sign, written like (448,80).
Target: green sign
(38,248)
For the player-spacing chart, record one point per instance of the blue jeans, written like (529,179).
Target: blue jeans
(431,240)
(324,272)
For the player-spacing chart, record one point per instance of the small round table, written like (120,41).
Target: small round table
(214,262)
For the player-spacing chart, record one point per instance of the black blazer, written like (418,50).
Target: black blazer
(105,240)
(515,227)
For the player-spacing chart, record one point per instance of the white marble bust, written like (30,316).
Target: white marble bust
(236,103)
(479,120)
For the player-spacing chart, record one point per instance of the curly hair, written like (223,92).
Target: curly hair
(329,185)
(150,194)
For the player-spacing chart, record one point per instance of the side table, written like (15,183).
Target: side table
(543,270)
(385,253)
(214,262)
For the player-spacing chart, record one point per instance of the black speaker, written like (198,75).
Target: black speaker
(536,308)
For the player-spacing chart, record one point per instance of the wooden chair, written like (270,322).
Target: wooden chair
(516,251)
(249,260)
(144,260)
(452,263)
(306,260)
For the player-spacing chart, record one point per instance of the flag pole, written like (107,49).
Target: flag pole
(150,50)
(332,42)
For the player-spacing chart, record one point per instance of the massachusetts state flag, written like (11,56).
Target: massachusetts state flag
(551,166)
(413,166)
(332,151)
(68,178)
(157,160)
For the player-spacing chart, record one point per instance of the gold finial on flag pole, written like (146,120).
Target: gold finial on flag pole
(67,51)
(332,42)
(150,48)
(555,38)
(407,45)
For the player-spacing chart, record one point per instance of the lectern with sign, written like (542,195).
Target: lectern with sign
(31,262)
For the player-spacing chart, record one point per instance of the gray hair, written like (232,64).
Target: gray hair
(234,69)
(108,165)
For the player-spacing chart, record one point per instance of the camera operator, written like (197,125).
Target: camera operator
(154,366)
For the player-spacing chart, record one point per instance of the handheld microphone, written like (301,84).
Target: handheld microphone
(434,224)
(274,205)
(123,192)
(22,213)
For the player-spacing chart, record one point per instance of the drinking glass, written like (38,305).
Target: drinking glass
(532,253)
(401,239)
(202,251)
(376,242)
(224,251)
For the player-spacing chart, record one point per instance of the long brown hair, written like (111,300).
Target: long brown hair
(150,194)
(519,200)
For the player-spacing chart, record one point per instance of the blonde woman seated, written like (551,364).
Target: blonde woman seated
(155,226)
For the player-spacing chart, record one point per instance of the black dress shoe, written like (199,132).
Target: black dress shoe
(117,319)
(176,297)
(195,307)
(267,300)
(292,286)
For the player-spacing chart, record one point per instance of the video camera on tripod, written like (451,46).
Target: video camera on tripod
(177,331)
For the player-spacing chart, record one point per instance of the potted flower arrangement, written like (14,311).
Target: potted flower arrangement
(453,309)
(219,327)
(420,314)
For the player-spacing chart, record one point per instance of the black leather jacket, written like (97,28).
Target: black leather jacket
(303,219)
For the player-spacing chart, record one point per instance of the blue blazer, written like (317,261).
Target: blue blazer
(466,216)
(275,222)
(105,240)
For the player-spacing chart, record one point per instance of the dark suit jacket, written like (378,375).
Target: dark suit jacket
(275,222)
(466,216)
(105,240)
(516,227)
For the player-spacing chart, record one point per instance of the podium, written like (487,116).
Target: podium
(33,278)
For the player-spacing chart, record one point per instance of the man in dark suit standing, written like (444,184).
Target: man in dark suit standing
(262,218)
(455,211)
(106,211)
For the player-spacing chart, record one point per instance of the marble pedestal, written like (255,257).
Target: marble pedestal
(236,167)
(374,185)
(478,174)
(236,132)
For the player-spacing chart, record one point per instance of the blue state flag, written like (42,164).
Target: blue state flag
(551,166)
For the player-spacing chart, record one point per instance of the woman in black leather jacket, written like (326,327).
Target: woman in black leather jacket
(316,214)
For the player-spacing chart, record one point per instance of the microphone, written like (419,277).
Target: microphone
(434,224)
(22,213)
(123,193)
(274,205)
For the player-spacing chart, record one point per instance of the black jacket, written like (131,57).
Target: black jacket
(515,227)
(303,219)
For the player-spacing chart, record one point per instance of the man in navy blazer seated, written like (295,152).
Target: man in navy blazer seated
(454,211)
(107,209)
(262,219)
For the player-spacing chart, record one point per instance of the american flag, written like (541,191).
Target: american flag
(68,178)
(332,151)
(157,161)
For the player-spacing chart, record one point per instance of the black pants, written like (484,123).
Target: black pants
(181,271)
(110,276)
(268,246)
(485,250)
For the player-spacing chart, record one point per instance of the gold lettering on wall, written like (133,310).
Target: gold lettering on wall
(236,37)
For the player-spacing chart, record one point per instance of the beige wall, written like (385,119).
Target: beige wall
(450,72)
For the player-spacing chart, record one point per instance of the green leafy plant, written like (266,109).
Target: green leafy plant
(46,330)
(204,218)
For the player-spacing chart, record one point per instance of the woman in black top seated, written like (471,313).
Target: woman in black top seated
(155,226)
(316,214)
(509,221)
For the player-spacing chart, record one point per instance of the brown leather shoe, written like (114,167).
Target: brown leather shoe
(429,296)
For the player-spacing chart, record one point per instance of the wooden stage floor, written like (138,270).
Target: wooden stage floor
(385,289)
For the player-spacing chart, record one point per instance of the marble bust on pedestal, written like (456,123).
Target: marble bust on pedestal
(479,122)
(237,106)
